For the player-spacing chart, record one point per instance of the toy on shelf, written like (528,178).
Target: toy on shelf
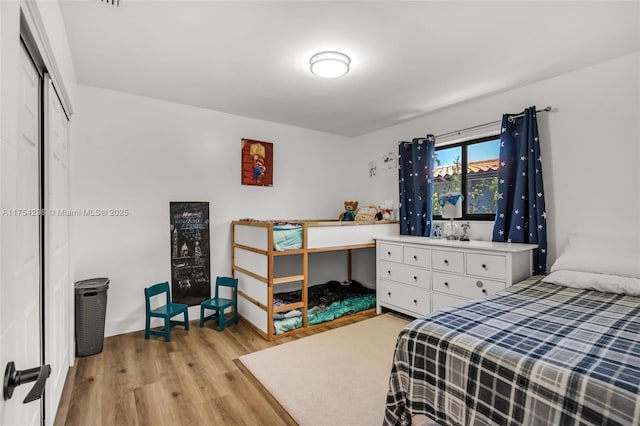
(367,214)
(437,230)
(349,213)
(385,210)
(465,232)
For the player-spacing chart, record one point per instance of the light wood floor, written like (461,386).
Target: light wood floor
(196,379)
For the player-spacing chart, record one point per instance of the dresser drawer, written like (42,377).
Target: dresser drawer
(402,296)
(450,261)
(405,274)
(390,252)
(487,265)
(417,257)
(416,276)
(441,301)
(467,287)
(391,271)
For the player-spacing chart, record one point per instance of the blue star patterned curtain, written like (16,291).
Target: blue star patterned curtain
(520,209)
(416,185)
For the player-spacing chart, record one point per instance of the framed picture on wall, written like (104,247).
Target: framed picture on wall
(257,163)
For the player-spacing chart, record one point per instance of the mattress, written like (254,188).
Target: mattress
(533,354)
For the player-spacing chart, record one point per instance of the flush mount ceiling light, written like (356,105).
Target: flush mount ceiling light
(329,64)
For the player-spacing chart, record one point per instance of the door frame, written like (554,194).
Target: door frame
(33,21)
(37,36)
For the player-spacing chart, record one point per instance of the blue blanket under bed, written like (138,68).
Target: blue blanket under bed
(326,302)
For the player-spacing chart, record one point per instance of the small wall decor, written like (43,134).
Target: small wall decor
(190,260)
(257,163)
(389,161)
(373,169)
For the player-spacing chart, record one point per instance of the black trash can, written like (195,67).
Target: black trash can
(91,308)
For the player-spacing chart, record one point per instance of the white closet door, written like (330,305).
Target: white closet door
(59,291)
(20,244)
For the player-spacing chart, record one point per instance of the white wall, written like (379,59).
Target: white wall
(139,154)
(590,147)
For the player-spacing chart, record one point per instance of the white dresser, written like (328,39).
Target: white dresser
(419,275)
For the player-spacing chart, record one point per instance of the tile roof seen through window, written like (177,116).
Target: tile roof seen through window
(473,167)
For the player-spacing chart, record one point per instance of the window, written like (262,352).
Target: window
(469,168)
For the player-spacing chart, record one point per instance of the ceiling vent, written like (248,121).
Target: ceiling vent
(115,3)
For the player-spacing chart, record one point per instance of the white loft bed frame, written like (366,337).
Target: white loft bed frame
(252,262)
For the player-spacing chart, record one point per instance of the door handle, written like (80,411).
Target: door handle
(14,378)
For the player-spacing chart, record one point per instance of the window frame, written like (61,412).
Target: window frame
(463,164)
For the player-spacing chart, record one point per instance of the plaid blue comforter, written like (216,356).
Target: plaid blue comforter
(533,354)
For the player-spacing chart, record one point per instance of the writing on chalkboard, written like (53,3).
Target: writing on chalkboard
(190,257)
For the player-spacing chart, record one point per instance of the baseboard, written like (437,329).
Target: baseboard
(130,324)
(127,325)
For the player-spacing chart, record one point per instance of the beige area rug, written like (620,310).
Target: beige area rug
(338,377)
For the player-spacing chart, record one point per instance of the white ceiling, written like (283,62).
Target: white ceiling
(408,58)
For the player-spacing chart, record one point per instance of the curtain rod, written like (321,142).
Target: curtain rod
(491,123)
(511,119)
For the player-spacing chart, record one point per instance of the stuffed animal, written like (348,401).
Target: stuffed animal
(385,210)
(367,214)
(349,213)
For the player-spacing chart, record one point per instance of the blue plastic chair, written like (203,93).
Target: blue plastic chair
(167,311)
(218,304)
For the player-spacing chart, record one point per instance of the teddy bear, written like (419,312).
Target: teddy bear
(386,210)
(367,214)
(349,213)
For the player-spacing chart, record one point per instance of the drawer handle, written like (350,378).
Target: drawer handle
(446,262)
(389,293)
(446,284)
(415,278)
(389,272)
(388,253)
(484,290)
(415,258)
(484,266)
(415,301)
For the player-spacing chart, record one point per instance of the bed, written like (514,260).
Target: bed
(563,352)
(272,257)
